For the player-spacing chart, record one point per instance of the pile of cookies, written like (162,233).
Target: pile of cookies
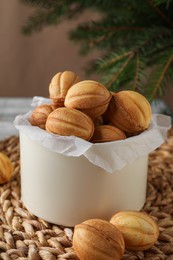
(88,110)
(127,229)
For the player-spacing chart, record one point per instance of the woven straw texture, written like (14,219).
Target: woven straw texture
(24,236)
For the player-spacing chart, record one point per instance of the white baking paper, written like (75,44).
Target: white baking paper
(110,156)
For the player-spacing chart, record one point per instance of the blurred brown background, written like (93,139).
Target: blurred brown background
(27,63)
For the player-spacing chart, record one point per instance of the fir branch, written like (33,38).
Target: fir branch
(113,28)
(137,83)
(115,77)
(161,14)
(39,20)
(159,2)
(153,40)
(52,15)
(108,62)
(161,77)
(134,37)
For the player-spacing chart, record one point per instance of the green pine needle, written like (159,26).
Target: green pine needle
(135,39)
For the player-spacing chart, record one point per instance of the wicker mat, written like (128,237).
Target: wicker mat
(24,236)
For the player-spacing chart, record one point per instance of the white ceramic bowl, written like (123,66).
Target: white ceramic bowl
(67,190)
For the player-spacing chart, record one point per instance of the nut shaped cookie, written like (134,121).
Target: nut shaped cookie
(65,121)
(88,96)
(60,84)
(139,230)
(129,111)
(98,239)
(6,168)
(107,133)
(39,115)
